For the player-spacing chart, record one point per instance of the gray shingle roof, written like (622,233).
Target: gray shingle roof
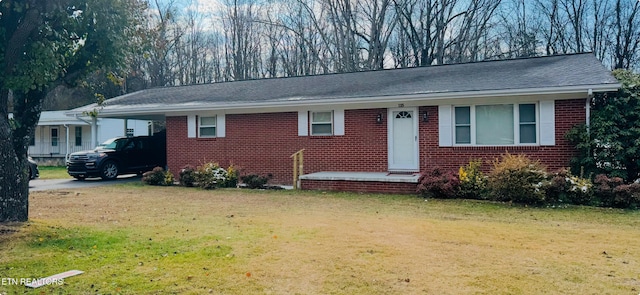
(527,73)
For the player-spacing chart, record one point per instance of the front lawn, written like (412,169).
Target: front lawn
(133,239)
(53,172)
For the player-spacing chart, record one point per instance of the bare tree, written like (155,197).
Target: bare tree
(576,16)
(241,46)
(164,39)
(627,35)
(375,30)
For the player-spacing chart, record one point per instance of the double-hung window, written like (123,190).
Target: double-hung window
(78,134)
(498,124)
(207,126)
(527,126)
(322,123)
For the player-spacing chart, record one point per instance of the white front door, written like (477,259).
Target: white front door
(403,139)
(55,140)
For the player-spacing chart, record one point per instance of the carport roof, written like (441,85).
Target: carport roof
(551,74)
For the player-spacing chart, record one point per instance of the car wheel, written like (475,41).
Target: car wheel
(109,170)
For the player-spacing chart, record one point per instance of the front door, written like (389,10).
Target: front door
(55,140)
(403,139)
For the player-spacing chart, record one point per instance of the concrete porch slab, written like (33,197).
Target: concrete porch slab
(362,176)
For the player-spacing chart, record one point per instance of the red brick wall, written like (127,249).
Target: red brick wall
(567,112)
(361,186)
(263,143)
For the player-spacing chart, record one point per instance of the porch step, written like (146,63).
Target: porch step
(363,176)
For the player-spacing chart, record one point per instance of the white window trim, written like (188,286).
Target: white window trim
(200,125)
(516,124)
(193,125)
(311,123)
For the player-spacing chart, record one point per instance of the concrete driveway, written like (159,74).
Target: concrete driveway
(53,184)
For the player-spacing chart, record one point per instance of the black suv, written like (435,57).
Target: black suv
(121,155)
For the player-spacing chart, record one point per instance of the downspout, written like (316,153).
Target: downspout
(94,131)
(588,108)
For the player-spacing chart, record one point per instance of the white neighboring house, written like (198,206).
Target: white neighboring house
(58,135)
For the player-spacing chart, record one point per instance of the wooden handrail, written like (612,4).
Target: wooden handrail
(298,167)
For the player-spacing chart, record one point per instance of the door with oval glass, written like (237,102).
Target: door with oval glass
(403,139)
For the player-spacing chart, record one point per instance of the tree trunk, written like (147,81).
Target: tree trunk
(14,181)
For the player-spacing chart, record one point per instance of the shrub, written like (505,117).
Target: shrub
(562,187)
(232,177)
(580,190)
(255,181)
(187,176)
(473,183)
(612,192)
(157,176)
(516,178)
(210,175)
(627,196)
(436,183)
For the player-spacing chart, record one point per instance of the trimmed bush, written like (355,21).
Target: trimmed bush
(516,178)
(612,192)
(232,177)
(187,176)
(158,176)
(210,175)
(564,188)
(473,183)
(436,183)
(627,196)
(255,181)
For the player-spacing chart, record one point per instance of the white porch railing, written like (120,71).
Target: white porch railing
(57,149)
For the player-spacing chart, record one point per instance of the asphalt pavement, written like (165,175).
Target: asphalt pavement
(54,184)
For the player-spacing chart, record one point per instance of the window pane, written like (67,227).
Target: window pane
(208,121)
(78,132)
(527,133)
(527,113)
(463,116)
(207,131)
(494,124)
(321,117)
(463,134)
(321,129)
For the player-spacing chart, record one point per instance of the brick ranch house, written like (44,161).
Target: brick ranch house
(375,130)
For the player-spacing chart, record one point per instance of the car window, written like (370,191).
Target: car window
(110,144)
(131,145)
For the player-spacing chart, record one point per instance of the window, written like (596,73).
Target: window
(463,125)
(207,126)
(496,124)
(54,136)
(321,123)
(78,134)
(130,132)
(528,123)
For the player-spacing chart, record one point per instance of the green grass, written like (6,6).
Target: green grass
(134,239)
(53,172)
